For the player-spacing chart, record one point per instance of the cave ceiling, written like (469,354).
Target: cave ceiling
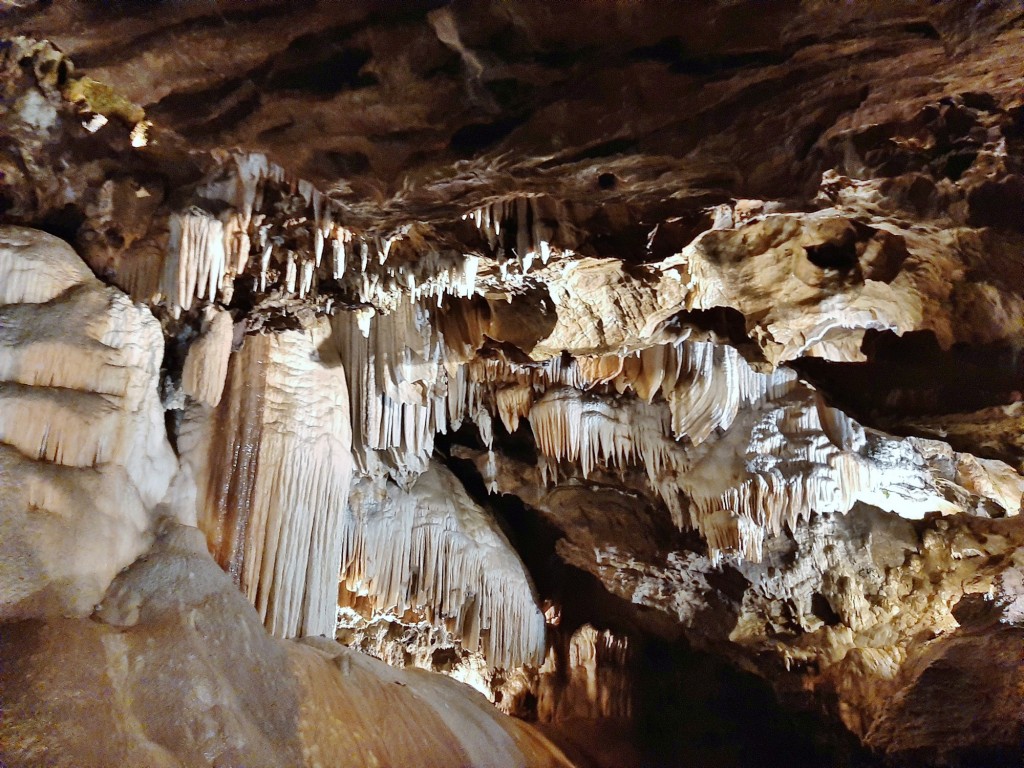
(717,305)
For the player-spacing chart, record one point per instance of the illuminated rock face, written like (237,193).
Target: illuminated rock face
(189,677)
(272,464)
(696,305)
(84,457)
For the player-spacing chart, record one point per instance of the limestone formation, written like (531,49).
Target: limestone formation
(544,345)
(188,677)
(84,457)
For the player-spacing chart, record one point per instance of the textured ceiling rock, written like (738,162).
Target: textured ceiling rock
(698,287)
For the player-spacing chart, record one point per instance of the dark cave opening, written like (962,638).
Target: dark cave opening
(690,708)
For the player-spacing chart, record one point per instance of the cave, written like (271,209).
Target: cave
(481,383)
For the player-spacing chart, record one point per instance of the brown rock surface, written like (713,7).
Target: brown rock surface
(716,307)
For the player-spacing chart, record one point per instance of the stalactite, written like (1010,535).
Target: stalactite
(770,468)
(273,464)
(196,260)
(433,549)
(206,364)
(399,391)
(524,228)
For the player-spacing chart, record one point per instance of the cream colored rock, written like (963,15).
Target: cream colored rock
(190,678)
(206,364)
(38,267)
(812,284)
(432,550)
(732,453)
(83,449)
(399,396)
(272,464)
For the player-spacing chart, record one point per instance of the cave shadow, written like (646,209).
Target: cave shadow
(690,708)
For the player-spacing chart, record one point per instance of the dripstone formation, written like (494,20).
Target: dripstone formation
(653,368)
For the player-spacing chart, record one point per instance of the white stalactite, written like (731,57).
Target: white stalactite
(273,464)
(206,364)
(432,548)
(398,384)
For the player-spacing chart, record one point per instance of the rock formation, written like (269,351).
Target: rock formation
(543,345)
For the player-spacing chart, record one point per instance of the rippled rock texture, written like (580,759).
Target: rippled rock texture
(517,340)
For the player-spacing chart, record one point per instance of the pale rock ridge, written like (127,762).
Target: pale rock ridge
(773,466)
(37,268)
(431,549)
(272,464)
(811,284)
(88,397)
(752,451)
(83,450)
(190,678)
(705,385)
(205,370)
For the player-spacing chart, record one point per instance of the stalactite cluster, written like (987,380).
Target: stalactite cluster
(541,346)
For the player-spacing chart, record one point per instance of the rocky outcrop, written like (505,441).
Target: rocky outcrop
(121,647)
(189,677)
(84,457)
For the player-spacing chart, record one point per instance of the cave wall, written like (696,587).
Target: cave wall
(426,317)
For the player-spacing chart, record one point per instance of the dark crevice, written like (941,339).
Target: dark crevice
(477,137)
(564,58)
(340,70)
(675,52)
(822,608)
(923,29)
(726,323)
(911,375)
(595,152)
(341,164)
(62,222)
(689,707)
(206,104)
(225,120)
(841,255)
